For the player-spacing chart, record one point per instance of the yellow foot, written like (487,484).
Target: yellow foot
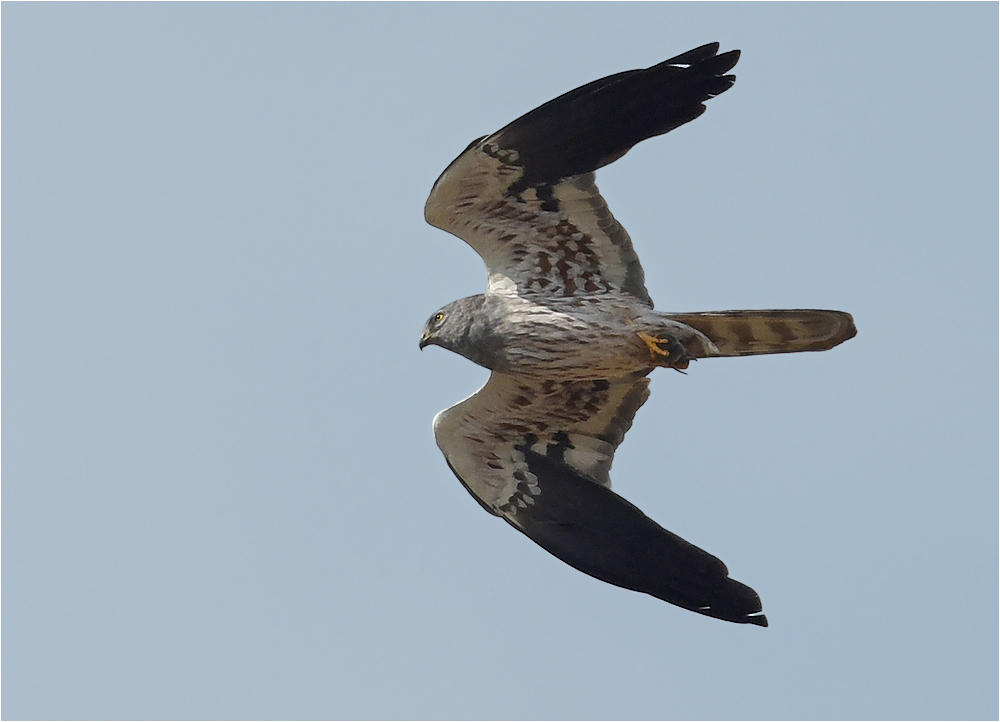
(654,344)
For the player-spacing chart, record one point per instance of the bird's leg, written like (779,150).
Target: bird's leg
(663,348)
(654,345)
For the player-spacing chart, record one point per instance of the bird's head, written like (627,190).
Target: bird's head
(440,327)
(465,327)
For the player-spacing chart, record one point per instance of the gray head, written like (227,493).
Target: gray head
(467,327)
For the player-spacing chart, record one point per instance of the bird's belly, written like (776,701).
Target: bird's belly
(564,345)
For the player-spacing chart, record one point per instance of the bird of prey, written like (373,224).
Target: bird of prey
(570,335)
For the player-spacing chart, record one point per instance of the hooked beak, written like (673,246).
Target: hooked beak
(425,341)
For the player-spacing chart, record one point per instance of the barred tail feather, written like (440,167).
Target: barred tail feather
(748,333)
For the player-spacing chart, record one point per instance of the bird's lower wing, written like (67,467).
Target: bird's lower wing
(538,453)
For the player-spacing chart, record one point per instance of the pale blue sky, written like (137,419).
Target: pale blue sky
(221,497)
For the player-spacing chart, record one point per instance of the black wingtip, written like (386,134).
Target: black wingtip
(706,57)
(727,61)
(700,53)
(598,532)
(597,123)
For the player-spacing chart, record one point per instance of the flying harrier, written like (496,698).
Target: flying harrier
(569,332)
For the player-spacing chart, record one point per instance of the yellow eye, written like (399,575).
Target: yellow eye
(438,317)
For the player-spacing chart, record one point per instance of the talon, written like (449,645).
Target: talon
(654,344)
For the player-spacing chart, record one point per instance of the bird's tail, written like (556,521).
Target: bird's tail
(747,333)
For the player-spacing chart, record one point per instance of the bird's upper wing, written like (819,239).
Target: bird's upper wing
(538,452)
(524,198)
